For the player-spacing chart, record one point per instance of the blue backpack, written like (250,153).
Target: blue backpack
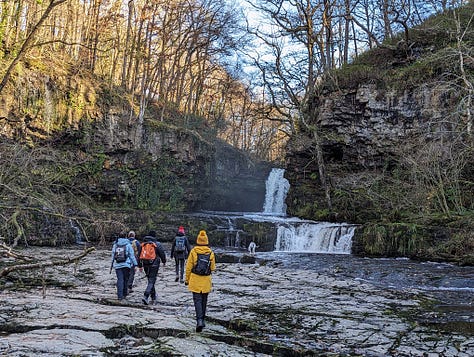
(180,245)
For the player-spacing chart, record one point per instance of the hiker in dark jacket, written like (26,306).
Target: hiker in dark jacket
(136,249)
(180,251)
(123,260)
(151,268)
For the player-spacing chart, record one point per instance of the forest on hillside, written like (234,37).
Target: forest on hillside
(253,73)
(247,68)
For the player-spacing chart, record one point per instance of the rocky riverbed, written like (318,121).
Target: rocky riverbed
(255,309)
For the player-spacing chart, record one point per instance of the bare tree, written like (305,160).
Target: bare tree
(291,76)
(465,53)
(29,40)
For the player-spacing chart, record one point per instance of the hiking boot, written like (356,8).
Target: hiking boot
(153,302)
(199,325)
(181,281)
(176,279)
(145,300)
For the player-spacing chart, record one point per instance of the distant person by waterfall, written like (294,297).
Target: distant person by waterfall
(277,187)
(252,247)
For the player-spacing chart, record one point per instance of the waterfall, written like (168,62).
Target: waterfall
(277,187)
(294,235)
(315,237)
(281,233)
(233,235)
(77,233)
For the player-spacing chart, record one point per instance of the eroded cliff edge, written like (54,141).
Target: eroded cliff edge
(399,161)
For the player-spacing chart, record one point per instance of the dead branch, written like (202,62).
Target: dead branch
(19,229)
(4,272)
(7,251)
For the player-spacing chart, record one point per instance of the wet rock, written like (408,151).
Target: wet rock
(235,258)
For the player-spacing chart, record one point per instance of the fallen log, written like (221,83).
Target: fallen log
(29,266)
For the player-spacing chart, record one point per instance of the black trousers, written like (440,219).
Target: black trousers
(151,274)
(179,267)
(131,278)
(200,303)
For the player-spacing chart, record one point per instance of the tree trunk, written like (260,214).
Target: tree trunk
(29,39)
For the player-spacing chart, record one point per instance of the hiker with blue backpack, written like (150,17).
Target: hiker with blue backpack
(201,263)
(180,251)
(123,260)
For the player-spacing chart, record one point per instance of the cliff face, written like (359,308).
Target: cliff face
(237,183)
(363,132)
(369,124)
(122,159)
(187,169)
(393,157)
(366,133)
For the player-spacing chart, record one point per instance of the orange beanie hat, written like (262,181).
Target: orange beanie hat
(202,238)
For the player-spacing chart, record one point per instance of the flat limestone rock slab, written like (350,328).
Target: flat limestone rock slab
(253,310)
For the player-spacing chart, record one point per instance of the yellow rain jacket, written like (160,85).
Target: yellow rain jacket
(199,283)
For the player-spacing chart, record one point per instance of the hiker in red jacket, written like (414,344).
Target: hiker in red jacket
(180,251)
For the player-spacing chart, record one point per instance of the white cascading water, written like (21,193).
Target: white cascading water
(322,237)
(295,235)
(277,187)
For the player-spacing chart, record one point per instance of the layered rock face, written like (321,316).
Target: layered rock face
(400,161)
(237,183)
(126,158)
(365,132)
(202,174)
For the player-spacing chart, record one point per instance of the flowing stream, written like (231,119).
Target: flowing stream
(291,234)
(325,247)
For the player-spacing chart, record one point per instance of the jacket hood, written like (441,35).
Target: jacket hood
(149,239)
(202,249)
(122,241)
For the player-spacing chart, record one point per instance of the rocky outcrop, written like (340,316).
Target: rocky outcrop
(364,128)
(190,172)
(237,183)
(380,147)
(126,157)
(367,130)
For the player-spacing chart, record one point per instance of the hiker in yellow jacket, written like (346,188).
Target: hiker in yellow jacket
(201,263)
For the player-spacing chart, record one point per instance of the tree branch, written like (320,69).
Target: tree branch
(4,272)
